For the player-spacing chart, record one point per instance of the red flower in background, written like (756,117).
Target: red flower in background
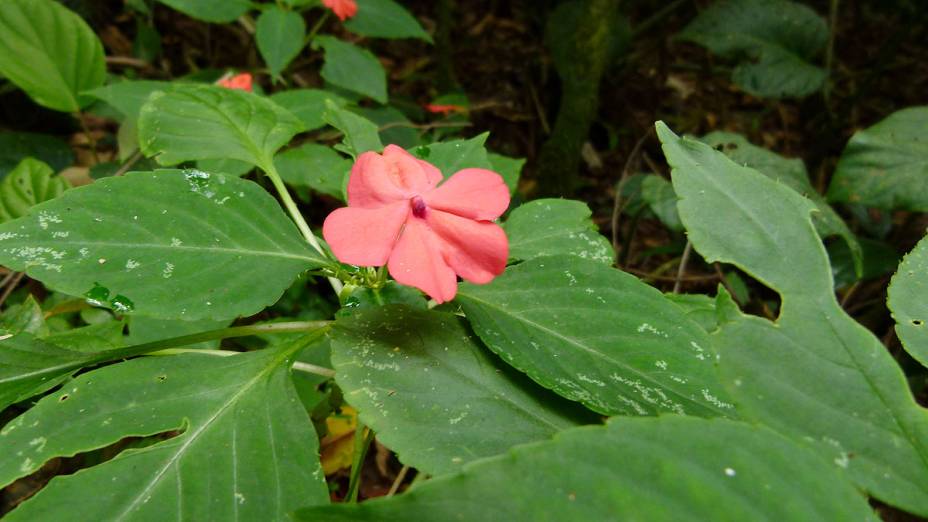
(343,9)
(444,109)
(427,234)
(241,82)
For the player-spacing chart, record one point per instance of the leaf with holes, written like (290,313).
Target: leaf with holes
(907,293)
(631,469)
(50,53)
(815,374)
(29,183)
(599,336)
(230,441)
(30,366)
(197,122)
(546,227)
(886,165)
(168,244)
(434,394)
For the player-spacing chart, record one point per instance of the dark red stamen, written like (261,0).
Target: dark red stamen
(418,207)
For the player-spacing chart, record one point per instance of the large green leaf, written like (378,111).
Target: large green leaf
(49,52)
(815,374)
(29,366)
(279,34)
(29,183)
(242,446)
(17,146)
(309,105)
(169,244)
(671,468)
(597,335)
(907,293)
(792,173)
(434,394)
(886,165)
(315,166)
(196,122)
(775,40)
(353,68)
(216,11)
(385,19)
(546,227)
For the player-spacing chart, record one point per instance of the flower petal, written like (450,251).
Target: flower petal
(417,261)
(364,236)
(471,193)
(377,180)
(476,250)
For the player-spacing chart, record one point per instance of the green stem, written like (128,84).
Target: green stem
(362,441)
(267,165)
(316,27)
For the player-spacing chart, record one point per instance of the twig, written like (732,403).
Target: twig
(362,441)
(399,480)
(830,51)
(11,286)
(617,205)
(133,159)
(682,269)
(127,61)
(669,279)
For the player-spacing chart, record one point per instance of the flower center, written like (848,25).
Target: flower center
(418,207)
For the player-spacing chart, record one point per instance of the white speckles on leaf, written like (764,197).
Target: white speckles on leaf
(168,271)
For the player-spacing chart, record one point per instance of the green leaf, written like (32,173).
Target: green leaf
(454,155)
(30,366)
(547,227)
(315,166)
(906,299)
(231,167)
(352,68)
(279,34)
(240,444)
(309,105)
(792,173)
(146,329)
(25,317)
(815,374)
(385,19)
(509,168)
(393,125)
(886,165)
(664,469)
(775,42)
(215,11)
(100,337)
(129,96)
(658,193)
(433,394)
(699,308)
(597,335)
(169,244)
(196,122)
(17,146)
(31,182)
(50,53)
(361,134)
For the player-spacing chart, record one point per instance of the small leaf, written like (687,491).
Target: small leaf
(25,317)
(129,96)
(197,122)
(241,446)
(385,19)
(906,299)
(599,336)
(454,155)
(31,182)
(658,193)
(361,134)
(215,11)
(309,105)
(352,68)
(509,168)
(546,227)
(279,34)
(886,165)
(663,469)
(433,394)
(774,39)
(169,244)
(49,52)
(315,166)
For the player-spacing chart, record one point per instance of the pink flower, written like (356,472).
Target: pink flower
(444,109)
(343,9)
(241,82)
(427,234)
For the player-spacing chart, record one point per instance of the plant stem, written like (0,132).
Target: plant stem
(297,365)
(681,271)
(362,440)
(316,27)
(399,480)
(267,165)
